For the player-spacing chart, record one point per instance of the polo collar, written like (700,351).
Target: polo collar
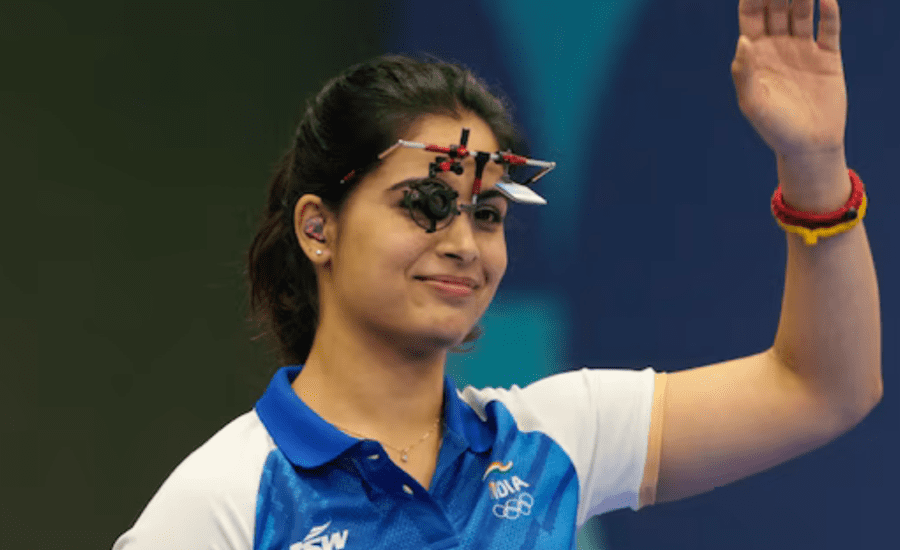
(309,441)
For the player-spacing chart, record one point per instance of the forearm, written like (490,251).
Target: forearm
(830,327)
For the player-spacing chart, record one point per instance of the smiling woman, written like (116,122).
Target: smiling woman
(374,259)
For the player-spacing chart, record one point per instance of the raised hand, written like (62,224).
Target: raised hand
(790,84)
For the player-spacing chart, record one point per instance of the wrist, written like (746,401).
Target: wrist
(812,226)
(815,183)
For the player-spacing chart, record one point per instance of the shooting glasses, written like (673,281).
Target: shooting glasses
(432,202)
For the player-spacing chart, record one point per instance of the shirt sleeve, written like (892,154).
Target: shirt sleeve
(654,443)
(209,500)
(601,418)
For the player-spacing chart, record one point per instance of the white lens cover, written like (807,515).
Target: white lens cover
(517,192)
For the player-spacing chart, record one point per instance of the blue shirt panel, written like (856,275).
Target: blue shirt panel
(494,487)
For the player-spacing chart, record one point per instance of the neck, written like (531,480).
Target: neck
(360,382)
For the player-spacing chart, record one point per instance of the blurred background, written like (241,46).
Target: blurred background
(136,142)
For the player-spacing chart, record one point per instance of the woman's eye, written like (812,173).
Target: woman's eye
(489,214)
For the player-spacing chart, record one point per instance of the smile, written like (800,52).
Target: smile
(448,288)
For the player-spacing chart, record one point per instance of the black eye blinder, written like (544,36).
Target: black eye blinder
(430,202)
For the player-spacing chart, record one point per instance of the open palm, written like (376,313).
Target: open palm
(789,84)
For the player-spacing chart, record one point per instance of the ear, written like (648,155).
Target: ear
(313,224)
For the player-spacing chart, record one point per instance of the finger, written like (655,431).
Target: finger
(802,18)
(778,17)
(752,18)
(829,25)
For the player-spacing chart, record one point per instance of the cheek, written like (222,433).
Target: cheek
(379,256)
(496,259)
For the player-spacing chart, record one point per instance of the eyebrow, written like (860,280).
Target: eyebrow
(486,194)
(404,183)
(490,194)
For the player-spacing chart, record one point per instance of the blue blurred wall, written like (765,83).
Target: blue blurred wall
(657,247)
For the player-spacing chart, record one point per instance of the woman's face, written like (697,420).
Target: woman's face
(386,270)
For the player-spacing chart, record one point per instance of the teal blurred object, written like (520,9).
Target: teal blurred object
(564,61)
(524,340)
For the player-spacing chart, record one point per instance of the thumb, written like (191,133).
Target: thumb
(742,66)
(743,71)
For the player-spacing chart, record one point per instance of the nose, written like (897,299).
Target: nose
(458,239)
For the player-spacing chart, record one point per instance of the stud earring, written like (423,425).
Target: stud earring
(318,252)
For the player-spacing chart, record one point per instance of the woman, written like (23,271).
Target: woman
(374,260)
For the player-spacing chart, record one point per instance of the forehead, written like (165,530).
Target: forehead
(444,131)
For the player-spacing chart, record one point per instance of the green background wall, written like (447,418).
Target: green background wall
(136,145)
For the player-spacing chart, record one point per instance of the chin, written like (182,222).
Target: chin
(446,339)
(429,334)
(433,341)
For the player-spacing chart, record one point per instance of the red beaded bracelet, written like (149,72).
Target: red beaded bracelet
(813,226)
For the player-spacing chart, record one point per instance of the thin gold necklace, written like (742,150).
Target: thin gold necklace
(404,453)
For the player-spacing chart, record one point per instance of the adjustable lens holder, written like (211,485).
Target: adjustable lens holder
(432,202)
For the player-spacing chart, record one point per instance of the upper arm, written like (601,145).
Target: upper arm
(726,421)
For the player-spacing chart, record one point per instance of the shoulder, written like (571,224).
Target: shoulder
(227,462)
(210,498)
(242,443)
(570,394)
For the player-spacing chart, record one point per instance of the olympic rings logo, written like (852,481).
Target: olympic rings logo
(520,505)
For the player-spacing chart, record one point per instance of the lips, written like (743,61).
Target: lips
(463,281)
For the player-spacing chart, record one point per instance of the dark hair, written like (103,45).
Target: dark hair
(356,116)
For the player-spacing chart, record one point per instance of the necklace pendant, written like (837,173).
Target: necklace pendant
(403,457)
